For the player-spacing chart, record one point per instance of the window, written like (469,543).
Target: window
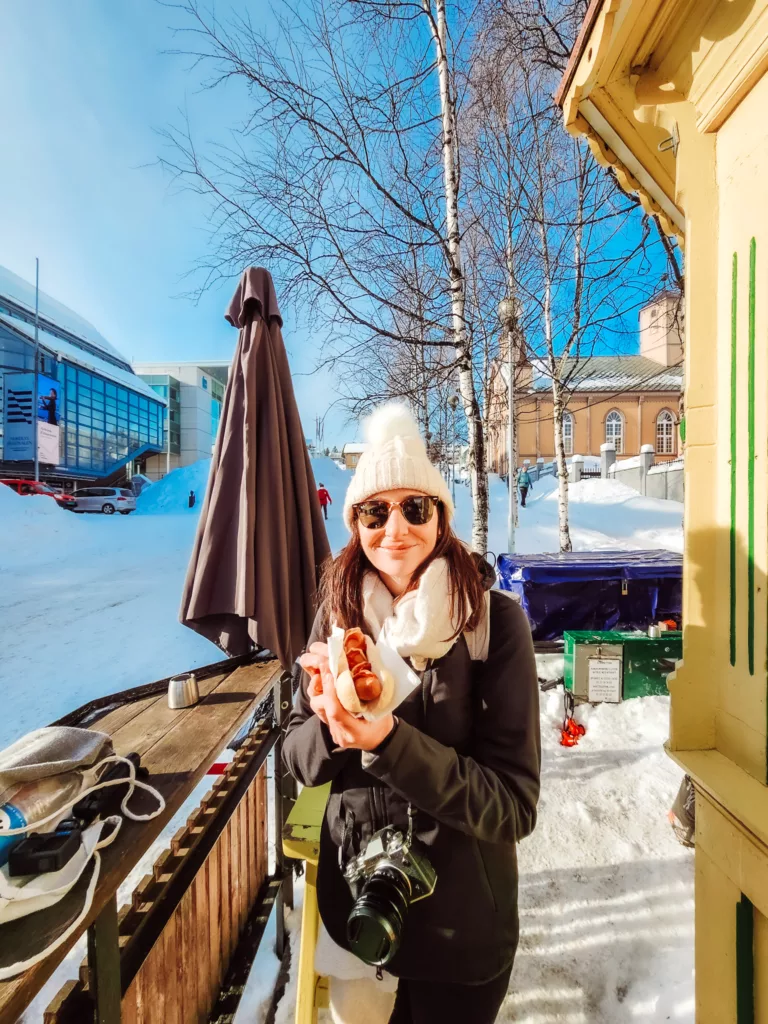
(215,417)
(614,430)
(568,433)
(665,433)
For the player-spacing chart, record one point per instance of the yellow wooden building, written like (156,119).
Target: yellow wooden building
(673,95)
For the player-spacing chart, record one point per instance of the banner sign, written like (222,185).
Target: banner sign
(19,430)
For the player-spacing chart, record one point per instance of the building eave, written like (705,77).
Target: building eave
(582,39)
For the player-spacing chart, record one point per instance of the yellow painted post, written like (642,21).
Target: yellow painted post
(301,841)
(671,96)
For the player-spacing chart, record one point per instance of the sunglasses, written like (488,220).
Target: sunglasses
(417,509)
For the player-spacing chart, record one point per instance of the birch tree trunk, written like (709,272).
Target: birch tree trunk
(562,468)
(512,336)
(467,392)
(557,407)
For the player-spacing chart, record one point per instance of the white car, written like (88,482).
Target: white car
(105,499)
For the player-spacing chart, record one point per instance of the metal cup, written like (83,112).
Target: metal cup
(183,691)
(654,632)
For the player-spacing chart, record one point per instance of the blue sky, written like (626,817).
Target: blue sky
(84,89)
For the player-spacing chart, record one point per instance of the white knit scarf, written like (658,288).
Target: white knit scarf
(420,622)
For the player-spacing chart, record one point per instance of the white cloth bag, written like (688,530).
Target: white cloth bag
(31,893)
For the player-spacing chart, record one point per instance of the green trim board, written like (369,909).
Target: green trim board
(751,465)
(745,962)
(734,310)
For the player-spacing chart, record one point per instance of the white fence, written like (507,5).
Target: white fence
(661,480)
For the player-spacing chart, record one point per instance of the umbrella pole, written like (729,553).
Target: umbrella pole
(285,797)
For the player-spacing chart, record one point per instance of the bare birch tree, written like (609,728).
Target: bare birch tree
(346,168)
(576,252)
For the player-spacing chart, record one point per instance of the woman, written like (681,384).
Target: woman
(462,752)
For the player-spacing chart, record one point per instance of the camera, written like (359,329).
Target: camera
(385,878)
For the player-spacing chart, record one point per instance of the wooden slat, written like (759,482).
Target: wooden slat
(170,953)
(51,1014)
(210,871)
(120,716)
(128,1009)
(152,987)
(245,906)
(202,965)
(141,733)
(225,911)
(263,827)
(249,843)
(234,854)
(177,760)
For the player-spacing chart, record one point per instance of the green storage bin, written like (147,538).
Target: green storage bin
(645,660)
(647,663)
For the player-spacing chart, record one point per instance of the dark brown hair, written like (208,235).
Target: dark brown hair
(341,587)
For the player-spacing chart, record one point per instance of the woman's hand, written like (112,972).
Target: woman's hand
(315,663)
(348,732)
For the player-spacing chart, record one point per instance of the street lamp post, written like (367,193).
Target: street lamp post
(35,389)
(453,403)
(508,315)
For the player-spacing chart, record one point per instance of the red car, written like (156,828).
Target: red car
(37,487)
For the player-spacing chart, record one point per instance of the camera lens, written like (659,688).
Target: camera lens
(375,924)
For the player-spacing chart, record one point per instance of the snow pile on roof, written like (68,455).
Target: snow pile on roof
(23,294)
(613,373)
(73,354)
(170,496)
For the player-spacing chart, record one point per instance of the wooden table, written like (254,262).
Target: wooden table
(177,748)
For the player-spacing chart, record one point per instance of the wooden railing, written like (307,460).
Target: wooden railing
(195,922)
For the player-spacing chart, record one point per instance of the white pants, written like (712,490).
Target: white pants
(360,1001)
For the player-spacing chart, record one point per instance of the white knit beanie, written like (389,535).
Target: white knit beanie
(395,457)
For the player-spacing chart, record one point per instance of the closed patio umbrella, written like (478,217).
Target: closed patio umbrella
(260,542)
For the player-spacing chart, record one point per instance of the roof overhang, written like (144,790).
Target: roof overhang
(602,95)
(647,80)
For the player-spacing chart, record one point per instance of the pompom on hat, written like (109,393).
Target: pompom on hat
(395,457)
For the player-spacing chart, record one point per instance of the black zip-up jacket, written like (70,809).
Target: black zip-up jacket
(466,755)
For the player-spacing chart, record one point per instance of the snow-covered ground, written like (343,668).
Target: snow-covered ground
(606,893)
(89,604)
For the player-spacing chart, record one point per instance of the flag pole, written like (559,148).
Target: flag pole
(34,374)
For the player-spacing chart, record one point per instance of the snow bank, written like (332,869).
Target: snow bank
(34,529)
(631,463)
(600,492)
(329,473)
(170,496)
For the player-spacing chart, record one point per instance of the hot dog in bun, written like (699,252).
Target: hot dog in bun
(362,682)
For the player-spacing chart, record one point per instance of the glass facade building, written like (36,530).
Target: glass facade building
(107,416)
(106,424)
(170,389)
(195,393)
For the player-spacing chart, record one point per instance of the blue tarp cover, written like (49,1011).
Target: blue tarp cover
(584,589)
